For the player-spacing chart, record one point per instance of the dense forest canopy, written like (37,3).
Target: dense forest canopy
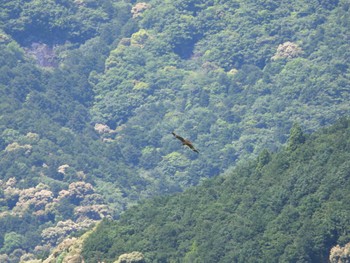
(90,92)
(290,206)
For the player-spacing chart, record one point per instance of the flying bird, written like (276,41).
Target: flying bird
(185,142)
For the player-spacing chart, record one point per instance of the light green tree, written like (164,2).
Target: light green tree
(12,241)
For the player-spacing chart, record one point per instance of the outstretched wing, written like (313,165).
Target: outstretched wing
(189,144)
(179,137)
(185,142)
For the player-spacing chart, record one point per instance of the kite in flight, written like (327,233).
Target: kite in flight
(185,142)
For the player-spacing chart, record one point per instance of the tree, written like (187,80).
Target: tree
(12,241)
(296,137)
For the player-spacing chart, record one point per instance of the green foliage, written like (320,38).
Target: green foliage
(53,21)
(222,87)
(12,241)
(290,215)
(296,137)
(216,72)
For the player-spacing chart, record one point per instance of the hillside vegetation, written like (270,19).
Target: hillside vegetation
(292,206)
(90,92)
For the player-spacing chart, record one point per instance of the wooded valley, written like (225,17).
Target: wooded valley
(90,92)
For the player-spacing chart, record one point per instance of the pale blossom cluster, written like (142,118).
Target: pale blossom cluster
(103,128)
(287,50)
(56,234)
(92,199)
(134,257)
(11,182)
(94,212)
(34,198)
(77,191)
(139,8)
(340,254)
(62,168)
(67,247)
(87,206)
(33,137)
(15,146)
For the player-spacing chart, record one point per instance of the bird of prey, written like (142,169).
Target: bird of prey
(185,142)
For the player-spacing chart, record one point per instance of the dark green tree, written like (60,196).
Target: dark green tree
(296,137)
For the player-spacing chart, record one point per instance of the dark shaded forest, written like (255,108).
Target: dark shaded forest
(90,92)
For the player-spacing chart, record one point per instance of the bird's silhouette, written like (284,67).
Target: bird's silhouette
(185,142)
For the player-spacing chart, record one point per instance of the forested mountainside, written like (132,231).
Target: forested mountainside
(90,92)
(291,206)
